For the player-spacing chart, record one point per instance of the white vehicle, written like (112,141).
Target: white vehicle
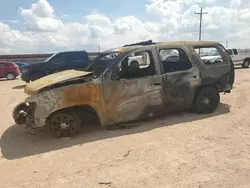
(240,56)
(139,59)
(211,57)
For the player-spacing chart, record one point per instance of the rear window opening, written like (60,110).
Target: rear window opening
(209,55)
(174,60)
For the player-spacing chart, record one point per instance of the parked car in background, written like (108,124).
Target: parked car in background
(240,56)
(20,65)
(8,70)
(113,92)
(56,63)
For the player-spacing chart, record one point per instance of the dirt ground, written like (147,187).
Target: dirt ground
(181,150)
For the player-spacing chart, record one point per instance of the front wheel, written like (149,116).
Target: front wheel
(206,101)
(246,64)
(64,124)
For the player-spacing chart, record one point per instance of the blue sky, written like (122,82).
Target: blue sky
(76,9)
(54,25)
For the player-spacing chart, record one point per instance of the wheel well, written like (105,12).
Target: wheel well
(86,113)
(247,59)
(202,87)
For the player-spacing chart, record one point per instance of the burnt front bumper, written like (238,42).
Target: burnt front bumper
(23,113)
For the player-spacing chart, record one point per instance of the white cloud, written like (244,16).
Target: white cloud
(41,17)
(170,20)
(42,9)
(235,3)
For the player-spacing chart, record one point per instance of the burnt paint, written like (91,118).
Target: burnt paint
(128,100)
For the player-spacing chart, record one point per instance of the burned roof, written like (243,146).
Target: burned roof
(176,43)
(143,43)
(193,43)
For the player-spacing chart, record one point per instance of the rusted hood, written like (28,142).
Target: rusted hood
(34,87)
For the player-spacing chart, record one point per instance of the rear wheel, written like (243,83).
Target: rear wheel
(64,124)
(36,76)
(246,64)
(10,76)
(206,101)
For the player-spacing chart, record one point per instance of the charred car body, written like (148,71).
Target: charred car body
(116,92)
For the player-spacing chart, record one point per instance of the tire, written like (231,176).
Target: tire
(206,100)
(10,76)
(246,64)
(64,124)
(36,76)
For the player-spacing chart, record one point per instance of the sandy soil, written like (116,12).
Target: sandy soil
(182,150)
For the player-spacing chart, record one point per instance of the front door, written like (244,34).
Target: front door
(180,78)
(133,91)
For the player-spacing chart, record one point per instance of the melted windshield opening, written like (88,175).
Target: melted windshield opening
(101,63)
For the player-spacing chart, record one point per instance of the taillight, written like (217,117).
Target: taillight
(17,69)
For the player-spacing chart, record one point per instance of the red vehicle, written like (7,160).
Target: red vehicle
(8,70)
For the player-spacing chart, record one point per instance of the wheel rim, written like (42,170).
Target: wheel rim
(63,125)
(246,64)
(10,76)
(206,100)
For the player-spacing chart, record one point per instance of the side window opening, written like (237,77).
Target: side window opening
(174,60)
(76,56)
(229,51)
(59,58)
(235,52)
(210,55)
(136,65)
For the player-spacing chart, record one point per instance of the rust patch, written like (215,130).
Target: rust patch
(86,94)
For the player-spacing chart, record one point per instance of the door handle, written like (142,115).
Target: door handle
(155,84)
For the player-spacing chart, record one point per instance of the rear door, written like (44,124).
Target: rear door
(220,73)
(180,77)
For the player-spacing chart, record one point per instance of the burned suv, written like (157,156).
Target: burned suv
(171,77)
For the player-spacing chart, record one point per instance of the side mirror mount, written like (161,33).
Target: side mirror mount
(114,75)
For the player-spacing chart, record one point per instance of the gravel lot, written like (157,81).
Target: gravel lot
(181,150)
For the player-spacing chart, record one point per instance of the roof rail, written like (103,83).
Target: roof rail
(143,43)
